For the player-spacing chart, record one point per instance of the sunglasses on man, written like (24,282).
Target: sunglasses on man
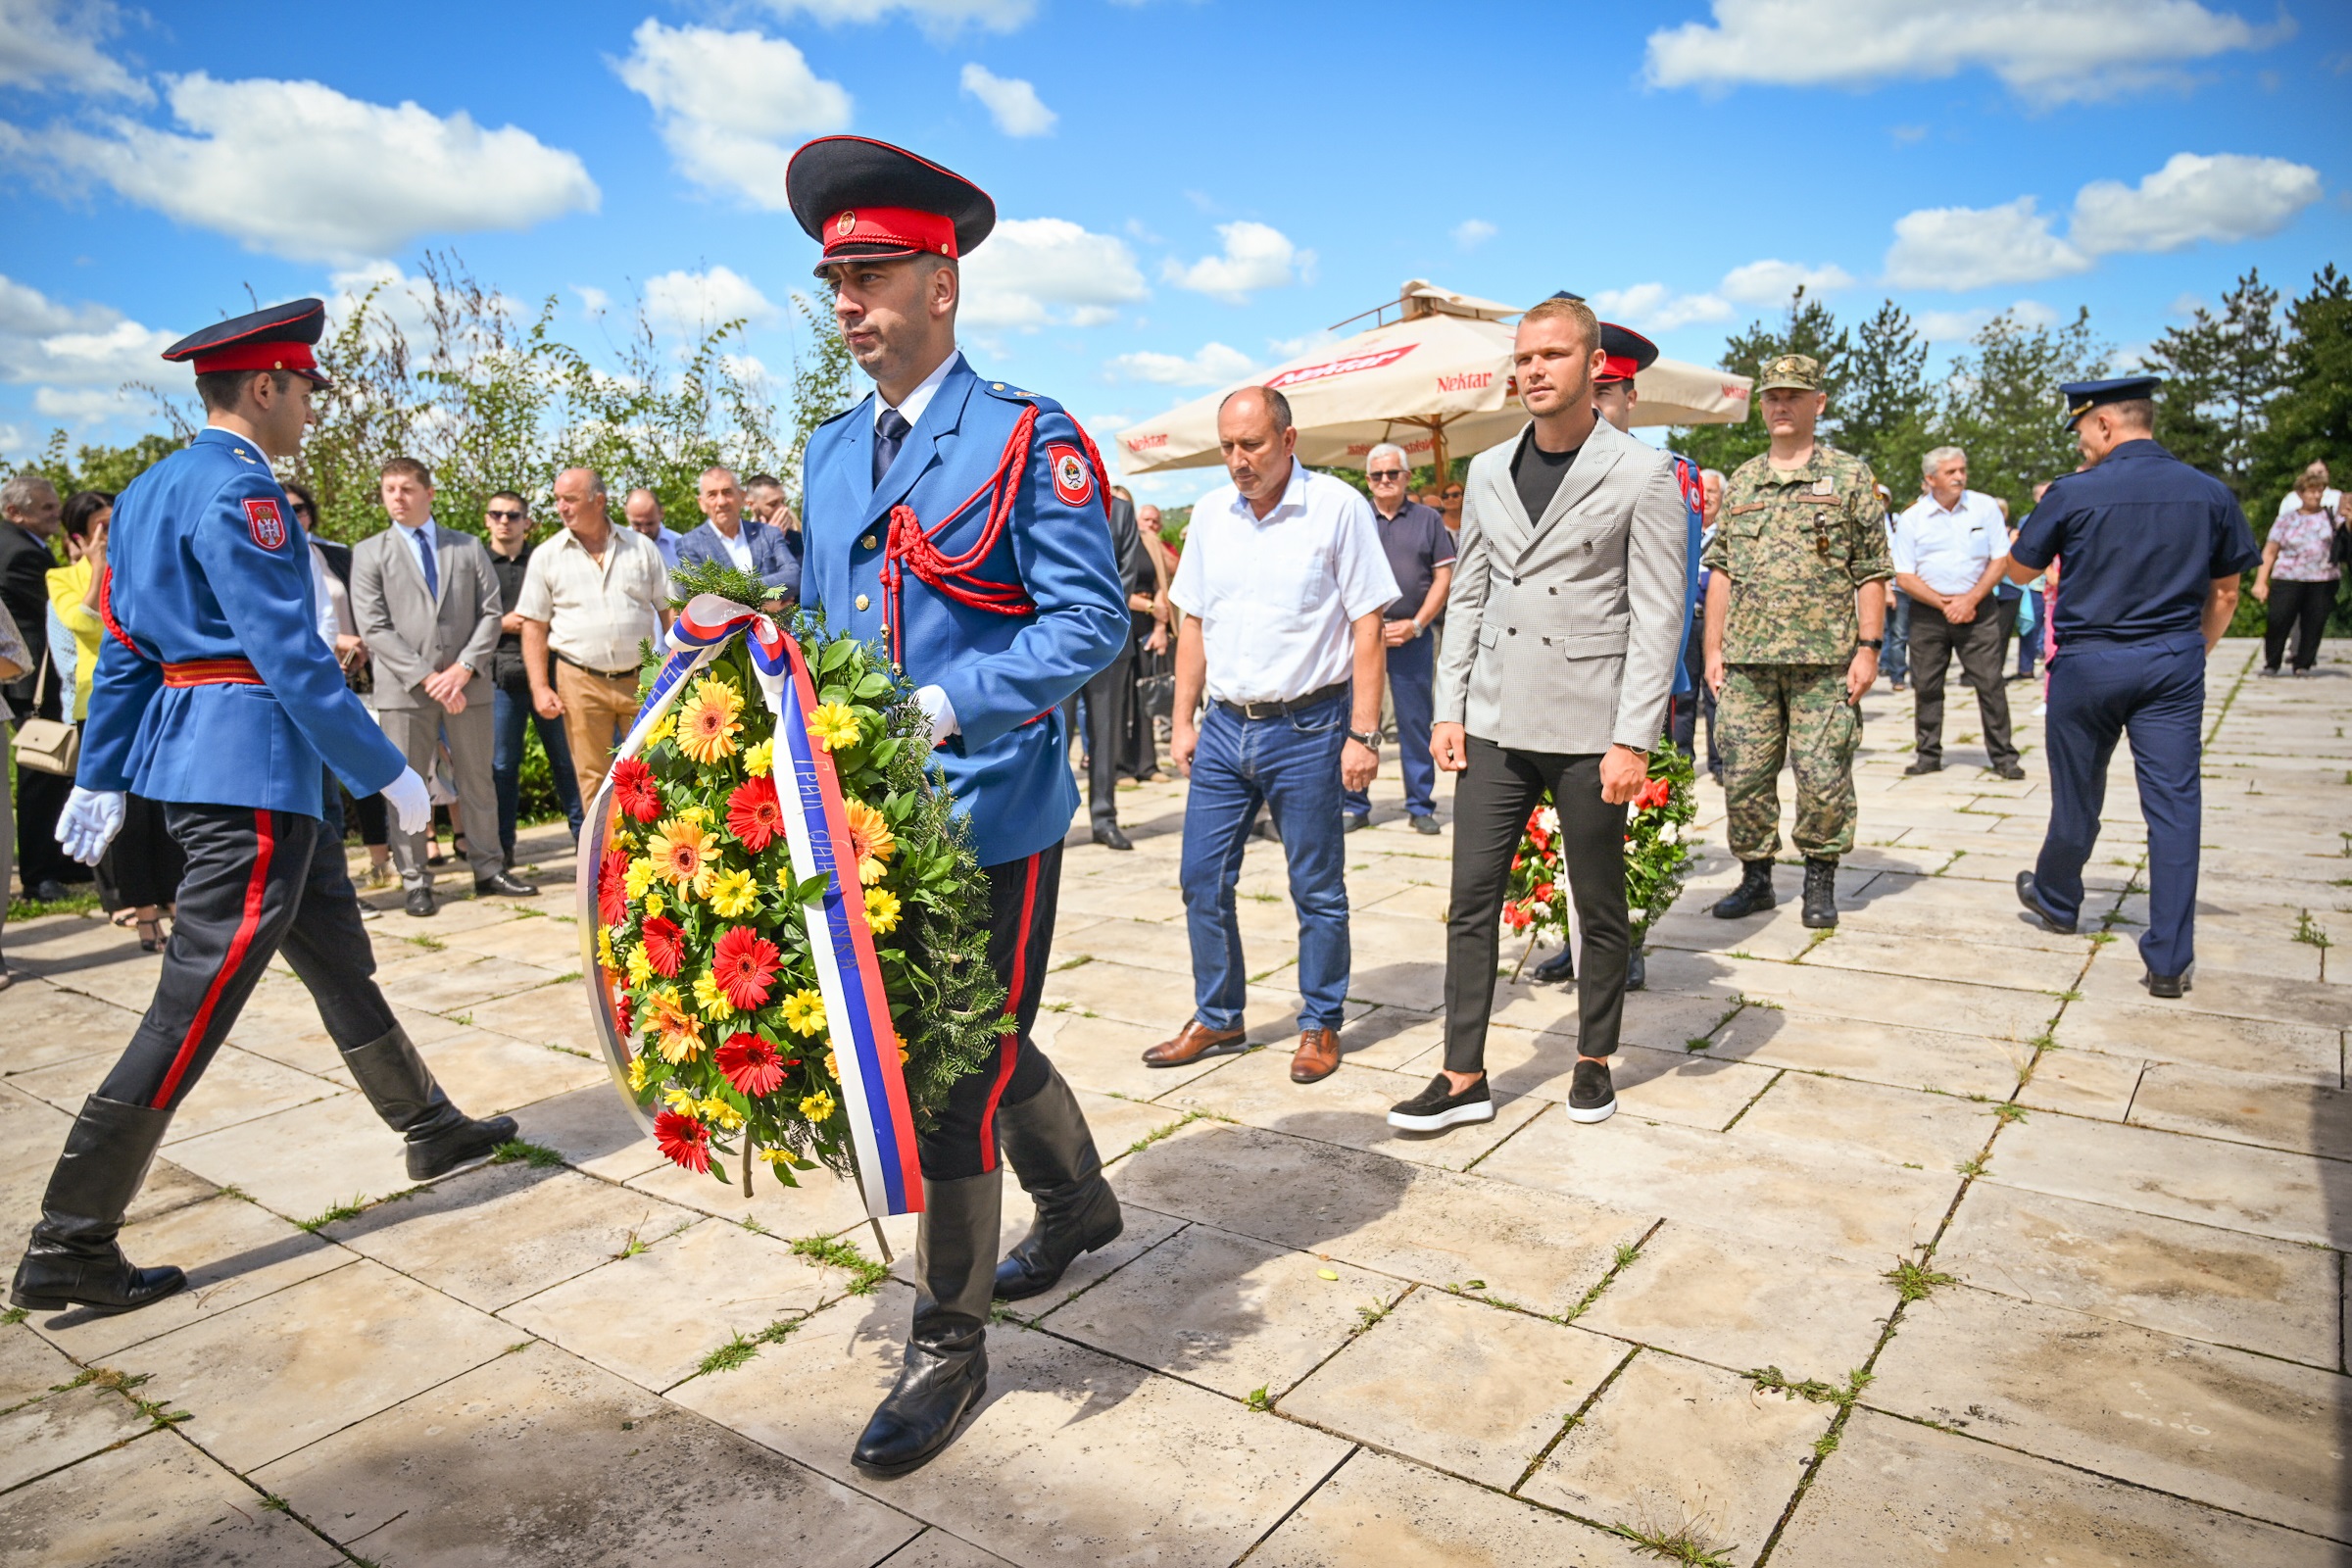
(1380,476)
(508,513)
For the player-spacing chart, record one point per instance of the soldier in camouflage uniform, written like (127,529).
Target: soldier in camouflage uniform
(1793,615)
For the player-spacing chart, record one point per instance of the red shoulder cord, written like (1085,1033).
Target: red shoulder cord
(105,610)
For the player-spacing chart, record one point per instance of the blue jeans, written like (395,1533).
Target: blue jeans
(1292,766)
(1412,687)
(509,711)
(1894,660)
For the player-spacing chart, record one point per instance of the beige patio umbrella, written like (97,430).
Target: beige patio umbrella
(1435,380)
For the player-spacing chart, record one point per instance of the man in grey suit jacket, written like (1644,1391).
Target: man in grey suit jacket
(428,601)
(1562,630)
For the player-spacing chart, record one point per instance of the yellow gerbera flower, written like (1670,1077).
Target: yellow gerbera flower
(834,726)
(881,911)
(832,1066)
(719,1115)
(734,892)
(871,842)
(663,731)
(712,1001)
(817,1106)
(640,1069)
(640,968)
(604,948)
(709,720)
(685,855)
(638,877)
(804,1012)
(653,903)
(776,1156)
(761,759)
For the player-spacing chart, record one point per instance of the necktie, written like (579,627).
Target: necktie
(425,553)
(889,433)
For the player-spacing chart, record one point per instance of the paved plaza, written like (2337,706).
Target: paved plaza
(1930,1241)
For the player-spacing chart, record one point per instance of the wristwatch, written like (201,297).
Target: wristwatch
(1874,644)
(1369,741)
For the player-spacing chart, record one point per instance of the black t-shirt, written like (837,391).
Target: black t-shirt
(1537,473)
(506,664)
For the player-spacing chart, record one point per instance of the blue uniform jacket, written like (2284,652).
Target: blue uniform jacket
(1007,675)
(1685,475)
(207,562)
(775,554)
(2140,538)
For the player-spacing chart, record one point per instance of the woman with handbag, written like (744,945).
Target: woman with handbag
(2297,578)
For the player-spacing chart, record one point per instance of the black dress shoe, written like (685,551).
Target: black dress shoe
(2168,986)
(1923,766)
(505,884)
(420,902)
(2032,900)
(1111,838)
(2008,770)
(1357,823)
(50,892)
(1637,971)
(1558,969)
(1424,824)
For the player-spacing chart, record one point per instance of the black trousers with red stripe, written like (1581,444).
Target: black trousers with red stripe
(256,882)
(1021,895)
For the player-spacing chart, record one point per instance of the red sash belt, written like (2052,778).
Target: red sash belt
(213,672)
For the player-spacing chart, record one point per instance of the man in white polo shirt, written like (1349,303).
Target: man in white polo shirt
(1950,551)
(1282,585)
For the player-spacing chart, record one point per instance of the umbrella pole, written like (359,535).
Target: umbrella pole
(1436,453)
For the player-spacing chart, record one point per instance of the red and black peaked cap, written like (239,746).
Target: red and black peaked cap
(278,338)
(861,198)
(1627,354)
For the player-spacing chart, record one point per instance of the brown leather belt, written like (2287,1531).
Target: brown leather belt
(1283,709)
(213,672)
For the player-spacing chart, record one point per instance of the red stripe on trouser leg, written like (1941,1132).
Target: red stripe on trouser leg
(248,922)
(1008,1046)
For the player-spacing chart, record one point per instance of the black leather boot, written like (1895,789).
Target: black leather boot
(1821,894)
(1754,893)
(946,1370)
(74,1260)
(1557,970)
(1052,1152)
(1637,971)
(401,1087)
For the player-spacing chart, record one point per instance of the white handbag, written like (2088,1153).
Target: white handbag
(47,745)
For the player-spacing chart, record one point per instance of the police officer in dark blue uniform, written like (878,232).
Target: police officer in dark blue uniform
(216,696)
(2149,553)
(962,524)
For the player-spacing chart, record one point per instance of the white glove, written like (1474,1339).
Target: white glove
(411,801)
(89,822)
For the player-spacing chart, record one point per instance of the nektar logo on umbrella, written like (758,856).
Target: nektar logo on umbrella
(1346,366)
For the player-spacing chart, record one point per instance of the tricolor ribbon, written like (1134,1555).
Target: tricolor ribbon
(865,1041)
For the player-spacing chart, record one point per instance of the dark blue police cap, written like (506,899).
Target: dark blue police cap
(2084,395)
(279,338)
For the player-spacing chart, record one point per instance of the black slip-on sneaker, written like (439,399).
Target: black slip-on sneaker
(1590,1097)
(1437,1107)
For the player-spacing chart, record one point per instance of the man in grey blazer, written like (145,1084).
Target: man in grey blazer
(428,601)
(1562,632)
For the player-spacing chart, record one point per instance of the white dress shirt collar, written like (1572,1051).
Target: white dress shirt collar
(924,391)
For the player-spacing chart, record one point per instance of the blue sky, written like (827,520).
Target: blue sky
(1188,189)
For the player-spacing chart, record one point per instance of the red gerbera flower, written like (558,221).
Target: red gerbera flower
(683,1140)
(621,1012)
(743,965)
(612,893)
(636,791)
(662,949)
(1657,792)
(754,814)
(751,1064)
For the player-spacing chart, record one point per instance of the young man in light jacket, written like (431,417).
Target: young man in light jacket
(1563,626)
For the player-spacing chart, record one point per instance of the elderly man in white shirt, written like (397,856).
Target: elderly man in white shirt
(1282,585)
(1950,551)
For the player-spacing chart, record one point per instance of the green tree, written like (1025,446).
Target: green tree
(89,468)
(1808,328)
(2221,375)
(2311,417)
(1889,403)
(2002,404)
(822,385)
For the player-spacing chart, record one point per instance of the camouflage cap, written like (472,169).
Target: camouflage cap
(1799,371)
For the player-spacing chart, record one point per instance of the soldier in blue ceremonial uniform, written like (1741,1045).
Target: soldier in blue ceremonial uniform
(2151,552)
(961,524)
(216,696)
(1626,355)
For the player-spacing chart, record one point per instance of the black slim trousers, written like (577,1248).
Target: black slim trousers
(1490,803)
(1109,705)
(2301,608)
(962,1141)
(1979,646)
(256,881)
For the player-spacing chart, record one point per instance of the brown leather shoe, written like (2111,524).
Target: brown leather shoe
(1318,1055)
(1192,1042)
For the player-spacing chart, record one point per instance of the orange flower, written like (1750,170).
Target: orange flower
(676,1029)
(709,720)
(872,843)
(685,853)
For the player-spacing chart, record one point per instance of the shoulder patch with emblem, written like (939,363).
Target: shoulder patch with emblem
(1073,481)
(268,523)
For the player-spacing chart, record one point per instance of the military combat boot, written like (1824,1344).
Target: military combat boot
(1821,894)
(440,1136)
(1046,1140)
(1753,892)
(74,1260)
(944,1373)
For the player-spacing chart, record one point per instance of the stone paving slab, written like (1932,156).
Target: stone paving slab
(2292,1197)
(1380,1513)
(154,1501)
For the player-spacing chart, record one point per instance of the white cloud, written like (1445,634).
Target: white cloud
(595,301)
(400,300)
(1472,233)
(87,406)
(1977,247)
(297,168)
(1955,326)
(938,18)
(1772,282)
(1290,348)
(1039,272)
(690,304)
(731,106)
(2047,51)
(1254,257)
(44,340)
(2229,197)
(42,42)
(1657,308)
(1011,102)
(1214,366)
